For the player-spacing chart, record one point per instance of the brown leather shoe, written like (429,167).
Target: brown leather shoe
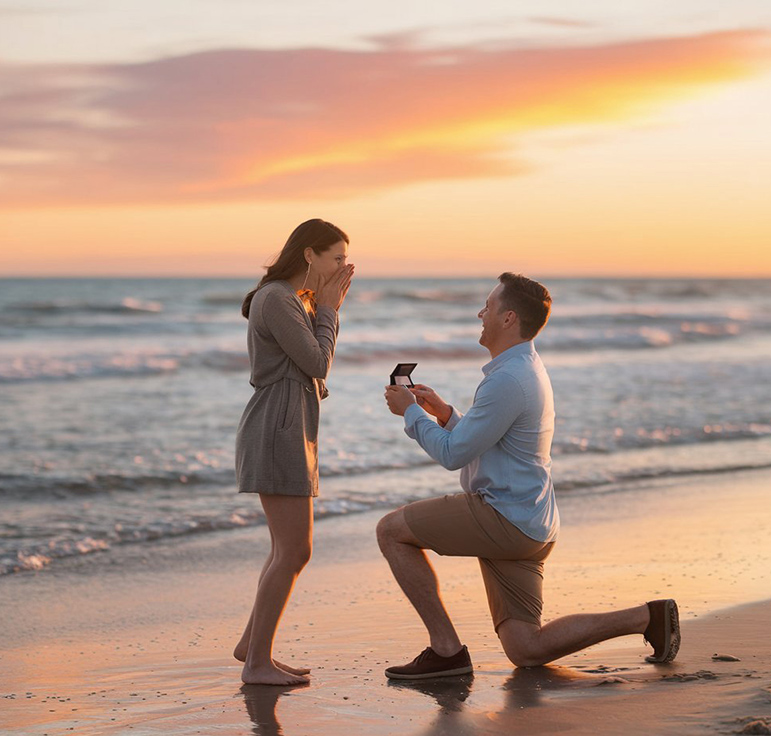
(663,632)
(429,664)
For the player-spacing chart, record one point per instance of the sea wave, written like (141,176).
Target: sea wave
(128,305)
(56,485)
(37,556)
(233,299)
(74,367)
(24,555)
(360,347)
(577,339)
(352,465)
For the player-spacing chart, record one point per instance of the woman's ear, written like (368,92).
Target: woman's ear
(308,253)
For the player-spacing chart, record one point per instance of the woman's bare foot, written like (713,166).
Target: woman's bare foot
(240,654)
(291,670)
(271,675)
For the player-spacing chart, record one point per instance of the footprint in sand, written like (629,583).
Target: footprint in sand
(757,726)
(613,681)
(691,677)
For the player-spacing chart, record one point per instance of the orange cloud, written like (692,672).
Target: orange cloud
(236,125)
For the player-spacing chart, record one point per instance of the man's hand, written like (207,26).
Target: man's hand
(432,402)
(398,399)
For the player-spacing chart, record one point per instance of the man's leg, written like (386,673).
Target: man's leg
(417,579)
(530,645)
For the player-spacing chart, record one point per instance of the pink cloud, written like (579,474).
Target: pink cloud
(241,124)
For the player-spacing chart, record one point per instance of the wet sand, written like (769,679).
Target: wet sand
(142,644)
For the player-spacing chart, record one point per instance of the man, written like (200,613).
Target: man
(507,515)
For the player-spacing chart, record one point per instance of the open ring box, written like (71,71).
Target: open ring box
(401,375)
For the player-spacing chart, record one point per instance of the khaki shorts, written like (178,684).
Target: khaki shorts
(464,525)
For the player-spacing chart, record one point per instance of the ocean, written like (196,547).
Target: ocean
(120,398)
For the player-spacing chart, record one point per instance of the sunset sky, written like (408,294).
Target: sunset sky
(554,138)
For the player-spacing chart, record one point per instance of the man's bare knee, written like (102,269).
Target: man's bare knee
(520,643)
(386,531)
(392,529)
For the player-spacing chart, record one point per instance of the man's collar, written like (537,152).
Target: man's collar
(522,348)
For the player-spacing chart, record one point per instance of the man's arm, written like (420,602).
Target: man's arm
(449,425)
(498,402)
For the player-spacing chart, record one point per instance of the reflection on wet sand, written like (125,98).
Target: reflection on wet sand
(527,685)
(450,694)
(261,702)
(525,688)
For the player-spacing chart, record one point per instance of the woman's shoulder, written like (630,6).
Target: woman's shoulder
(275,289)
(276,295)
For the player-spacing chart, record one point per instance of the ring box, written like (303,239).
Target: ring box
(401,374)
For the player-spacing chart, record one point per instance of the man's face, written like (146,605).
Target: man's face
(492,317)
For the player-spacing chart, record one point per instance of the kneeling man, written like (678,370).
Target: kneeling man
(507,516)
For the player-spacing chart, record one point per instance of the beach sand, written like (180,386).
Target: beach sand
(139,640)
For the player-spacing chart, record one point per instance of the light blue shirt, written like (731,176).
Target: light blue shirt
(503,442)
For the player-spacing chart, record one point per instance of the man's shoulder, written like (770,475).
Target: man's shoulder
(523,367)
(501,381)
(520,376)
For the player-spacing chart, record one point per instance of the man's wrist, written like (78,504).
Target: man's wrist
(446,415)
(406,418)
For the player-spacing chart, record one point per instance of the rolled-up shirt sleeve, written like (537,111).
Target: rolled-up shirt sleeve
(498,401)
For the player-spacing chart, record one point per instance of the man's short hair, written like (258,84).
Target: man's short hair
(529,299)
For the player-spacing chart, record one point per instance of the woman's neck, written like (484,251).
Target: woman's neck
(300,282)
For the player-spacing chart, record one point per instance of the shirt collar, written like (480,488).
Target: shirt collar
(523,348)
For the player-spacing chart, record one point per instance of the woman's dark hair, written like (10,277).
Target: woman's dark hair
(317,234)
(529,299)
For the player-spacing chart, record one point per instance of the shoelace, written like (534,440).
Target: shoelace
(423,655)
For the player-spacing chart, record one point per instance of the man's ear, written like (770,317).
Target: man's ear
(511,319)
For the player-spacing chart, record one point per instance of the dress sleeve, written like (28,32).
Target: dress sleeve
(312,351)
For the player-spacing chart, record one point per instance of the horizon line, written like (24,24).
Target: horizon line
(444,277)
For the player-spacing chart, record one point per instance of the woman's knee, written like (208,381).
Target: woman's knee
(294,557)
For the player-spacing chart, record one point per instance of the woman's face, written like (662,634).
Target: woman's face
(325,264)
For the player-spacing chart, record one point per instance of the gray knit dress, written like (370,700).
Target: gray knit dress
(290,354)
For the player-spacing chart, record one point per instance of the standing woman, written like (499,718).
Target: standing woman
(293,325)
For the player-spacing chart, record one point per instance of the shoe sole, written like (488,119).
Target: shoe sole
(671,636)
(430,675)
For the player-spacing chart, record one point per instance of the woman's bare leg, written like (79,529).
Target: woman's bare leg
(290,519)
(242,648)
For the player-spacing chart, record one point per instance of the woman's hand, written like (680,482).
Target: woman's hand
(432,402)
(332,293)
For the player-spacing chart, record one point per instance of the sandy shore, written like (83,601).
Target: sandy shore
(142,644)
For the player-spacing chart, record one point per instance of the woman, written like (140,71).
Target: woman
(293,324)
